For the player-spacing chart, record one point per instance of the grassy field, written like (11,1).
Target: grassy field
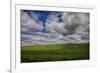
(54,52)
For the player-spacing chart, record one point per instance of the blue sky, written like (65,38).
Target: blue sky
(43,16)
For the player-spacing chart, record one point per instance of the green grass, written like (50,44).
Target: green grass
(54,52)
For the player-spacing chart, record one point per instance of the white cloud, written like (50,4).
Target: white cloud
(28,23)
(74,27)
(53,25)
(39,38)
(73,22)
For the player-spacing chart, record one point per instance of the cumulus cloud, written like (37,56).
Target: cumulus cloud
(72,22)
(73,29)
(53,25)
(76,22)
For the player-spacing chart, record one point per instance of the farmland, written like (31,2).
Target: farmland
(54,52)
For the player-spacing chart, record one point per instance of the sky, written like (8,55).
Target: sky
(47,27)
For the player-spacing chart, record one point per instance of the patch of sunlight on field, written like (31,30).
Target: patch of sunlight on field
(42,47)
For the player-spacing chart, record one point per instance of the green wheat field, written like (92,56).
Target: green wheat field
(54,52)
